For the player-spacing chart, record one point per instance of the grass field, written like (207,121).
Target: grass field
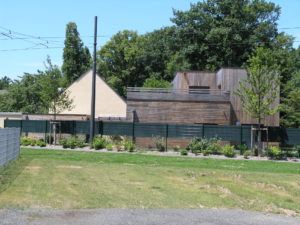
(70,180)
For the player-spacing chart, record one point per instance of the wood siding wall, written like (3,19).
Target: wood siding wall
(179,112)
(229,79)
(185,79)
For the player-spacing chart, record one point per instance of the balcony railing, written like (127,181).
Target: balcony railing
(170,94)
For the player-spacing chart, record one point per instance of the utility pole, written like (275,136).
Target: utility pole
(92,117)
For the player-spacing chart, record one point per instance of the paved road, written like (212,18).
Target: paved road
(142,217)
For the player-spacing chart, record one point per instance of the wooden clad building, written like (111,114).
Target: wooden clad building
(196,97)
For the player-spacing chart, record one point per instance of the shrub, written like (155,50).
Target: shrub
(183,152)
(296,149)
(176,148)
(129,146)
(99,143)
(228,151)
(160,144)
(26,141)
(64,143)
(109,147)
(119,146)
(199,145)
(72,142)
(80,143)
(213,146)
(243,148)
(41,143)
(206,152)
(274,152)
(247,154)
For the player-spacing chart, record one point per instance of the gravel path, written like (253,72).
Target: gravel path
(142,217)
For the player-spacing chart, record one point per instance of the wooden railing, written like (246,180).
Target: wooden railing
(170,94)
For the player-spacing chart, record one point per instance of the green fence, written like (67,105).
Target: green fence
(240,134)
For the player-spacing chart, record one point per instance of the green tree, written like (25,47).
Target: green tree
(76,57)
(218,33)
(52,94)
(155,83)
(290,102)
(120,63)
(23,96)
(5,82)
(259,91)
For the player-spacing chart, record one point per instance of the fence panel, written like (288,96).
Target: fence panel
(241,134)
(9,144)
(226,133)
(117,128)
(150,130)
(185,130)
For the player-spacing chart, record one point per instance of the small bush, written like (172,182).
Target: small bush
(99,143)
(247,154)
(64,143)
(199,145)
(206,152)
(119,146)
(160,144)
(41,143)
(228,151)
(80,143)
(176,148)
(243,148)
(296,149)
(28,141)
(129,146)
(183,152)
(72,142)
(109,147)
(274,152)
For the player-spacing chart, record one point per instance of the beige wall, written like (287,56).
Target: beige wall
(108,102)
(10,116)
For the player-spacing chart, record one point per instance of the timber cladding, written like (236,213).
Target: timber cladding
(179,112)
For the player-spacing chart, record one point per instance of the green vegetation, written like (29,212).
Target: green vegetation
(274,152)
(129,146)
(183,152)
(204,145)
(99,143)
(77,58)
(72,142)
(67,179)
(160,144)
(228,151)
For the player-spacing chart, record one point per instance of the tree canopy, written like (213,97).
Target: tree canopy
(76,57)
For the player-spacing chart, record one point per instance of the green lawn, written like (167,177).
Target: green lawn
(68,180)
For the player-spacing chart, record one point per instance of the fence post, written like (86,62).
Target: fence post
(241,139)
(101,128)
(45,135)
(167,134)
(133,127)
(203,131)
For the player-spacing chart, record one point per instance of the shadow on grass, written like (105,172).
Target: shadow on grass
(10,172)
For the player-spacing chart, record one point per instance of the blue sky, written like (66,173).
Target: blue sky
(49,18)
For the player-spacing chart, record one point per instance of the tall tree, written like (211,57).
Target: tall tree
(76,57)
(217,33)
(120,63)
(5,82)
(259,91)
(290,102)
